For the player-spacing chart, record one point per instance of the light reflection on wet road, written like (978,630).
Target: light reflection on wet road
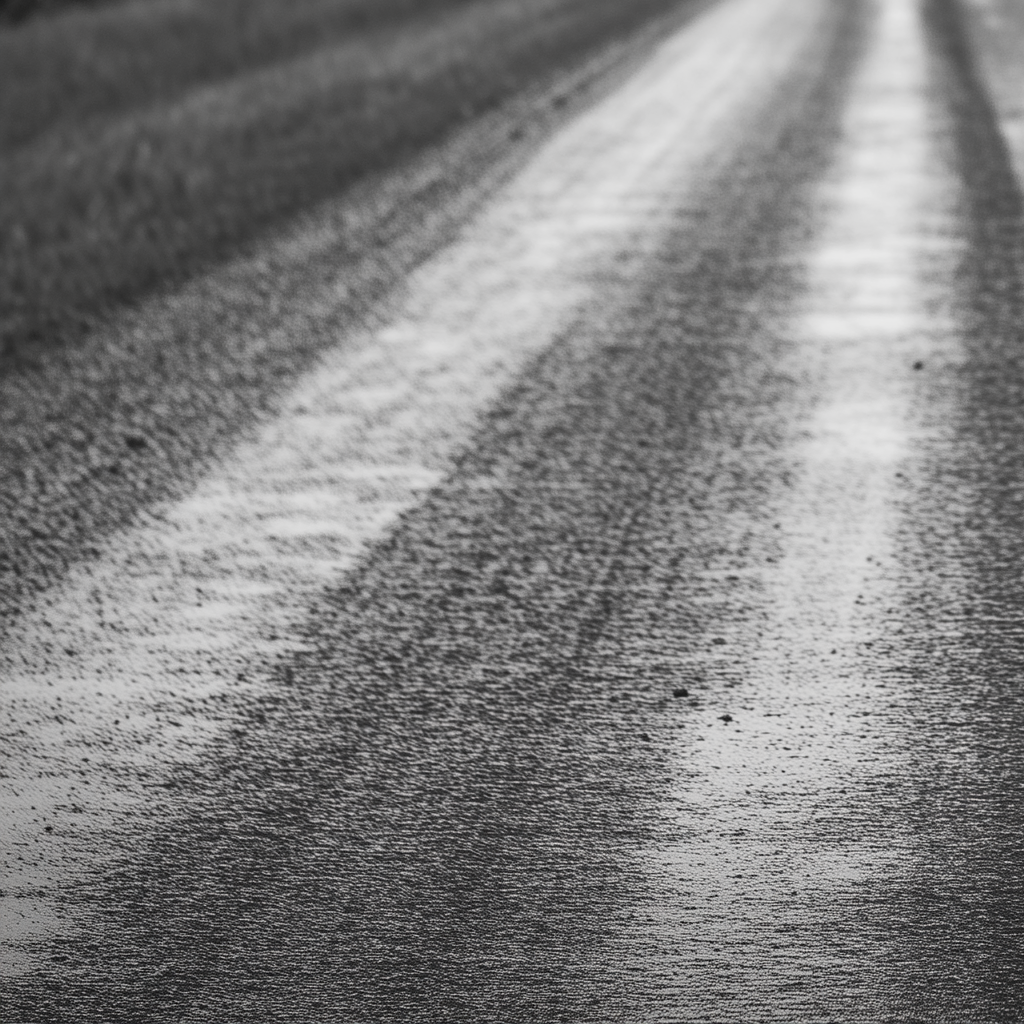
(787,815)
(693,692)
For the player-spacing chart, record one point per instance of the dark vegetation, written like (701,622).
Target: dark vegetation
(12,11)
(143,139)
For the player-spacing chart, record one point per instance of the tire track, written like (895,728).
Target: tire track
(845,845)
(789,850)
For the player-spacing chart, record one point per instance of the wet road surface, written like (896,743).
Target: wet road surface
(623,624)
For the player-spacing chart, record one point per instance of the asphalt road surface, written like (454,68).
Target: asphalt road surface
(622,621)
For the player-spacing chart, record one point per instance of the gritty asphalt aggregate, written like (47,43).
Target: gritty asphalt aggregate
(619,620)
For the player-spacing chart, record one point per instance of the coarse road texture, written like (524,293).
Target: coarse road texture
(622,623)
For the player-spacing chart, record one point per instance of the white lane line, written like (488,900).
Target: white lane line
(785,836)
(111,679)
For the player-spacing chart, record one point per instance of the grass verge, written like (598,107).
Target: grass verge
(182,131)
